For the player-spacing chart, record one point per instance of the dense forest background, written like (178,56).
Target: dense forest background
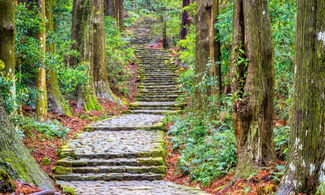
(70,66)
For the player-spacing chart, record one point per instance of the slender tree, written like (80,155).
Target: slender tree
(306,159)
(252,85)
(7,42)
(102,87)
(41,102)
(185,20)
(53,80)
(109,8)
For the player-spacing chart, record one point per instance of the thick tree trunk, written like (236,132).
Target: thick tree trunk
(41,101)
(82,33)
(102,87)
(306,161)
(252,85)
(7,41)
(60,102)
(185,21)
(15,158)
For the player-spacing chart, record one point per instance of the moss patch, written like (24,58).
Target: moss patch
(6,184)
(58,170)
(68,190)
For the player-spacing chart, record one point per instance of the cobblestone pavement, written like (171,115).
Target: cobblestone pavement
(117,142)
(132,188)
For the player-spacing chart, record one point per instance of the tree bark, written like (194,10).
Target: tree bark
(306,158)
(41,101)
(60,102)
(205,54)
(101,83)
(82,33)
(15,159)
(7,42)
(252,85)
(185,21)
(109,8)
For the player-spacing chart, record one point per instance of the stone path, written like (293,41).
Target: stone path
(125,154)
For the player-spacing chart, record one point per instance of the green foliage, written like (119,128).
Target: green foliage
(281,141)
(119,56)
(6,84)
(207,147)
(49,128)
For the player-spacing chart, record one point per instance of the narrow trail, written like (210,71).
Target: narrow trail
(125,154)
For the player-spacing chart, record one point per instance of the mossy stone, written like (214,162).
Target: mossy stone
(6,184)
(58,170)
(68,190)
(46,161)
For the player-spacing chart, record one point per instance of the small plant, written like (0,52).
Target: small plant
(49,128)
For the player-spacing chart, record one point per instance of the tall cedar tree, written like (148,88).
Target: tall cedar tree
(15,159)
(205,53)
(82,34)
(102,87)
(252,85)
(59,100)
(41,101)
(306,160)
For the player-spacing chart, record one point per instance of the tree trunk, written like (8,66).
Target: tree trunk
(252,85)
(7,40)
(102,87)
(119,12)
(185,21)
(217,51)
(165,41)
(15,158)
(202,54)
(306,158)
(109,8)
(41,101)
(60,102)
(82,33)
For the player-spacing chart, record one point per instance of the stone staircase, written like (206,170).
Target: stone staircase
(158,87)
(129,148)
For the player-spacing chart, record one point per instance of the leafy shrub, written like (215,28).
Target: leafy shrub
(281,141)
(118,56)
(207,152)
(49,128)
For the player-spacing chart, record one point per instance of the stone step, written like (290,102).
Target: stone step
(130,155)
(157,112)
(155,104)
(160,96)
(154,108)
(110,177)
(110,169)
(68,162)
(158,99)
(146,93)
(159,84)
